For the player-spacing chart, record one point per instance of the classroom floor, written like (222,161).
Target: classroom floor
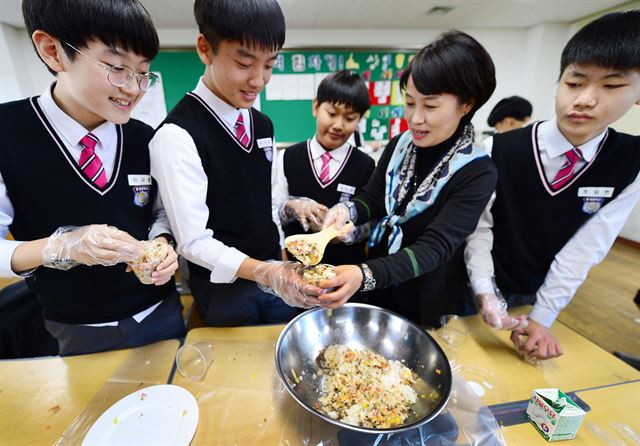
(603,309)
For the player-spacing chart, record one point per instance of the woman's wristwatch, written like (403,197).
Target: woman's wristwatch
(368,281)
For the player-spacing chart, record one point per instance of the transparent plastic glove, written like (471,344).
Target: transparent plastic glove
(337,216)
(493,309)
(308,212)
(70,246)
(283,279)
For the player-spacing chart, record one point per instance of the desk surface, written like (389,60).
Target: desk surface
(608,404)
(584,364)
(39,398)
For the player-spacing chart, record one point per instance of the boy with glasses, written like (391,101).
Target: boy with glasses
(215,162)
(77,195)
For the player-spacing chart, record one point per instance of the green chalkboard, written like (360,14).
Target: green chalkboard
(288,98)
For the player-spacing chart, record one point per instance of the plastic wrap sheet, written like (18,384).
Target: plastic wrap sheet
(242,402)
(143,367)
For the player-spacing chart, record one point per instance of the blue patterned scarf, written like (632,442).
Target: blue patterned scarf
(401,171)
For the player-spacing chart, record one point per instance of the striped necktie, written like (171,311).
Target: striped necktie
(324,170)
(241,132)
(90,164)
(565,174)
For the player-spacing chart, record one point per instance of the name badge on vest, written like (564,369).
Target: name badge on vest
(141,185)
(266,144)
(346,192)
(593,197)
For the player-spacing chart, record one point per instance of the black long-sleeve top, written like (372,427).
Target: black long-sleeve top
(427,278)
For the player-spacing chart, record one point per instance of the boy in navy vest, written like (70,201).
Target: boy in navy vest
(81,171)
(565,187)
(326,169)
(214,160)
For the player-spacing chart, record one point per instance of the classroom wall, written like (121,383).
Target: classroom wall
(536,51)
(22,73)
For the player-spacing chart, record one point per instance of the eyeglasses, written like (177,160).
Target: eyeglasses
(121,75)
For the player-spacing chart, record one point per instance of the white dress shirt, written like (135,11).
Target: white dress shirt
(588,246)
(338,156)
(177,167)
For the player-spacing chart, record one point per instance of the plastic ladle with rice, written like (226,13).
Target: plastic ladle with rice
(309,248)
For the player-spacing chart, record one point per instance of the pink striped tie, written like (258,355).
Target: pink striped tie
(90,163)
(241,132)
(565,174)
(324,170)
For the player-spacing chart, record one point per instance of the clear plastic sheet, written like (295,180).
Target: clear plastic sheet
(242,402)
(143,367)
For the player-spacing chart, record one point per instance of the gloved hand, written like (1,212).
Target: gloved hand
(105,245)
(308,212)
(494,312)
(283,280)
(337,217)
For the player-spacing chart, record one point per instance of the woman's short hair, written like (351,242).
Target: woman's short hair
(454,63)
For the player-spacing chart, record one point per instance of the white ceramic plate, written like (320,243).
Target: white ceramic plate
(158,415)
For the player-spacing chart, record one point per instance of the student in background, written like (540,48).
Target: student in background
(78,195)
(566,187)
(428,189)
(325,170)
(510,113)
(214,160)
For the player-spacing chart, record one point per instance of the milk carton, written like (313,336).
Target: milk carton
(554,415)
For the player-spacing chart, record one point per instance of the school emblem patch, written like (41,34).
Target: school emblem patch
(141,195)
(591,205)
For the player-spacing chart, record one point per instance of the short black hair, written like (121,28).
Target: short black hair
(454,63)
(257,23)
(511,107)
(117,23)
(345,87)
(612,41)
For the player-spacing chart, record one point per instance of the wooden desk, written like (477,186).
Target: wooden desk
(614,403)
(584,364)
(39,398)
(32,390)
(242,382)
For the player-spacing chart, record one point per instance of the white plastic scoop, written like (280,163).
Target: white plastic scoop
(309,248)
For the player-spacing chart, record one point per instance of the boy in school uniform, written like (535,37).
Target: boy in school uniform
(565,187)
(326,169)
(213,158)
(510,113)
(79,144)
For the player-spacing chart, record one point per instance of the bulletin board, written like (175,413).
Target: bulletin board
(288,97)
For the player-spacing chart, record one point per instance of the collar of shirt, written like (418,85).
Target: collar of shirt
(336,154)
(70,130)
(228,113)
(556,144)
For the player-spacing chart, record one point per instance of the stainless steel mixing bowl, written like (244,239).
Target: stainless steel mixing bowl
(363,327)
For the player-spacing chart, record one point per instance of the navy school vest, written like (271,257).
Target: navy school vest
(303,181)
(531,221)
(48,190)
(239,179)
